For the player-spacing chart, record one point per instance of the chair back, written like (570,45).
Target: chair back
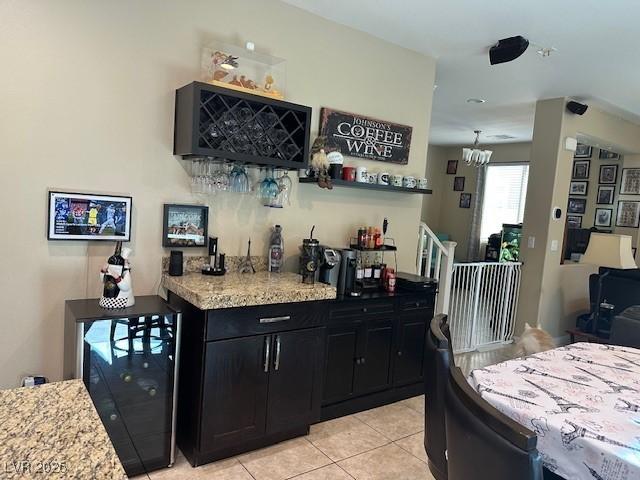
(437,362)
(484,443)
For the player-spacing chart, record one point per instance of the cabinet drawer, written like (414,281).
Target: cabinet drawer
(418,302)
(263,319)
(361,309)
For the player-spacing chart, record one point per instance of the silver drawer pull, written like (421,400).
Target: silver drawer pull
(267,348)
(275,319)
(276,363)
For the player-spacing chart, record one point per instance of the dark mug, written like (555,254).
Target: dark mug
(335,170)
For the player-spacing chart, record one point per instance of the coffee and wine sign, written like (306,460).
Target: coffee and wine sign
(364,137)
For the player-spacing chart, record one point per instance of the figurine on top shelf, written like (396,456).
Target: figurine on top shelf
(244,70)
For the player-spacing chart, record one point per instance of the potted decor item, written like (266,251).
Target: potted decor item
(117,289)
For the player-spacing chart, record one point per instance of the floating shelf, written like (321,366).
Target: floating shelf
(370,186)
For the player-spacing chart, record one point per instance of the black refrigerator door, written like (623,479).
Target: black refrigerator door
(129,372)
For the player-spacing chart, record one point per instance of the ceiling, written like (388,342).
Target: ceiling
(597,58)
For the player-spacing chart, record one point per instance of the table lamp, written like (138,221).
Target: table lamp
(609,251)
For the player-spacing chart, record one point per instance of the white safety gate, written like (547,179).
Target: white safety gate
(483,304)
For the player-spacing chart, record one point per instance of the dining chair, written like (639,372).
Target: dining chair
(438,359)
(484,443)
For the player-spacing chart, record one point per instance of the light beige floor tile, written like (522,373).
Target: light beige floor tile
(386,463)
(228,469)
(415,403)
(330,472)
(284,460)
(414,444)
(394,421)
(345,437)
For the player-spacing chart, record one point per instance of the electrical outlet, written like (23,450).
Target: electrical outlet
(554,245)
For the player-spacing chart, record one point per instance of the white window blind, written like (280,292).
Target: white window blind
(505,191)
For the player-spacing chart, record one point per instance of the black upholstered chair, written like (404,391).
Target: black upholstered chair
(438,359)
(482,442)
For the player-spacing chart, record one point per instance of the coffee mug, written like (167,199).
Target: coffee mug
(422,183)
(373,178)
(409,182)
(361,175)
(397,180)
(349,174)
(383,178)
(335,170)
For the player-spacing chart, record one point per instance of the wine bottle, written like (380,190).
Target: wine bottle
(111,288)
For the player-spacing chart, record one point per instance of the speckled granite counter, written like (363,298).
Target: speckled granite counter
(243,290)
(53,431)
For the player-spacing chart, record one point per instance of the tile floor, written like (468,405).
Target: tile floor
(384,443)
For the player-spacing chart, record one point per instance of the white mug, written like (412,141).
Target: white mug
(361,175)
(409,182)
(373,178)
(422,183)
(383,178)
(397,180)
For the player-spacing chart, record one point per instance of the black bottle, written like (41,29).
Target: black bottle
(111,289)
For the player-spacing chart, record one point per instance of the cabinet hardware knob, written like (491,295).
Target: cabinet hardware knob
(399,353)
(362,361)
(364,309)
(417,304)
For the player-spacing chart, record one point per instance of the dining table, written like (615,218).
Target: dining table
(583,402)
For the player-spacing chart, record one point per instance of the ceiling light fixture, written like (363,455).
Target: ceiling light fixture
(475,155)
(476,100)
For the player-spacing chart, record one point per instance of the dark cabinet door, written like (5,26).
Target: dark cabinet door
(295,381)
(409,361)
(340,361)
(373,361)
(235,391)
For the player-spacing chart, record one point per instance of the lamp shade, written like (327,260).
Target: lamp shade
(610,251)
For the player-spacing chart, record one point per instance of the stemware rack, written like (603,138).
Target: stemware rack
(213,121)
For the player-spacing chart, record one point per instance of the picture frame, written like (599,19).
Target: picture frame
(458,184)
(583,151)
(608,155)
(603,217)
(185,226)
(452,167)
(465,200)
(630,183)
(606,194)
(628,214)
(581,170)
(574,221)
(577,206)
(89,216)
(580,187)
(608,174)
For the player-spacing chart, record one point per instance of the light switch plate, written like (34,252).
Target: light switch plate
(531,242)
(554,245)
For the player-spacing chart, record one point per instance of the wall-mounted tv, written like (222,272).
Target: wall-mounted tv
(81,216)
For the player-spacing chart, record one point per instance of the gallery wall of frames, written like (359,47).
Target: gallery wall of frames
(604,192)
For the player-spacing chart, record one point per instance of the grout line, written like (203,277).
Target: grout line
(348,474)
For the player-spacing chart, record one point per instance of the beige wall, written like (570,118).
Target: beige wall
(449,217)
(552,294)
(87,104)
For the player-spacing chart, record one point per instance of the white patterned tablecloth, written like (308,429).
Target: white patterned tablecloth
(583,402)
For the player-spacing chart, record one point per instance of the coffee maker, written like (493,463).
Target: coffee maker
(329,269)
(347,274)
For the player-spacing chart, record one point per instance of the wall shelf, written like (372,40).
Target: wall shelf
(369,186)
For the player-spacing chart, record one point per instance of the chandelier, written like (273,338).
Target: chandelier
(476,156)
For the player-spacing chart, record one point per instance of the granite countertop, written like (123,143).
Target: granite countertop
(243,290)
(53,431)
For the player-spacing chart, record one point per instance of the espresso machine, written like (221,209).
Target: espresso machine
(347,277)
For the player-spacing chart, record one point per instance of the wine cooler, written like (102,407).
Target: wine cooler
(128,360)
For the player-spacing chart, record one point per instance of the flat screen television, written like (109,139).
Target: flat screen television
(82,216)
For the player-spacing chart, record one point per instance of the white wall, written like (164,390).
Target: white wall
(86,94)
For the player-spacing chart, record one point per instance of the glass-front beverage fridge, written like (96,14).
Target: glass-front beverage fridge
(128,360)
